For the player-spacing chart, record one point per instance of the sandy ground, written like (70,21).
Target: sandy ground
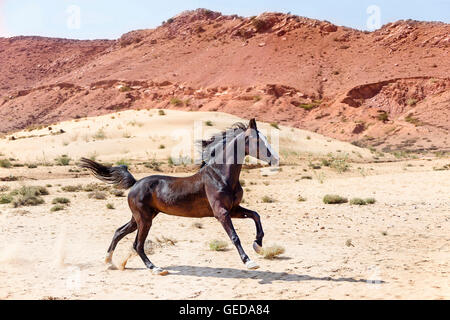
(397,248)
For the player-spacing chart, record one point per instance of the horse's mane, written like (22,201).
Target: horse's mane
(208,146)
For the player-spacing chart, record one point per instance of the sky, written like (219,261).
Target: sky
(109,19)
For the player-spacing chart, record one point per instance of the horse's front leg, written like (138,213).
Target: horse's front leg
(223,215)
(243,213)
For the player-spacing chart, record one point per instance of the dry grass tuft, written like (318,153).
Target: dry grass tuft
(98,195)
(272,251)
(334,199)
(218,245)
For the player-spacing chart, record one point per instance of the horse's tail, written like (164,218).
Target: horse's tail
(118,176)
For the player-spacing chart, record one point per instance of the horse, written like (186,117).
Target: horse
(214,191)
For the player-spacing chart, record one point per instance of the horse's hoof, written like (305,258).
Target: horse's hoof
(159,272)
(108,258)
(111,266)
(123,265)
(251,265)
(258,249)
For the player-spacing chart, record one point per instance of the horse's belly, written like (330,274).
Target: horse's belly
(186,207)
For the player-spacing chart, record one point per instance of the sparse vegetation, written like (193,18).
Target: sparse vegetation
(310,106)
(28,196)
(301,199)
(275,125)
(218,245)
(176,102)
(208,123)
(5,163)
(123,162)
(110,206)
(258,24)
(161,113)
(267,199)
(57,207)
(272,251)
(411,102)
(100,134)
(6,198)
(410,119)
(95,187)
(117,193)
(72,189)
(334,199)
(153,164)
(358,202)
(125,88)
(383,116)
(98,195)
(61,201)
(257,98)
(339,164)
(443,168)
(197,225)
(63,160)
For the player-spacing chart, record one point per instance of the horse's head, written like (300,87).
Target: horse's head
(257,145)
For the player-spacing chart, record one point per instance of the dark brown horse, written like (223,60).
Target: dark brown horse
(214,191)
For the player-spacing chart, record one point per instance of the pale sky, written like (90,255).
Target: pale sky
(94,19)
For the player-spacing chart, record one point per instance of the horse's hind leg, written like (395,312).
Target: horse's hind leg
(119,235)
(143,230)
(144,216)
(243,213)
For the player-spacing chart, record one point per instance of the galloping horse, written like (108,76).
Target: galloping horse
(214,191)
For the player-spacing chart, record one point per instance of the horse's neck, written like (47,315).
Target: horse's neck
(232,167)
(229,173)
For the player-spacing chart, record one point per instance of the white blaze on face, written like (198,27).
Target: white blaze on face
(267,144)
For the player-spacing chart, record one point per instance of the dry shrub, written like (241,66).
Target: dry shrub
(218,245)
(272,251)
(97,195)
(334,199)
(77,188)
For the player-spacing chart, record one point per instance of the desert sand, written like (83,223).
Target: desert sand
(398,247)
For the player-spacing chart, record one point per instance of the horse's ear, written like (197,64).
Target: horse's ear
(252,124)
